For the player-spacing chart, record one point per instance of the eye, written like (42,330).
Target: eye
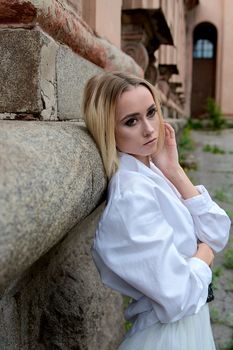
(131,122)
(151,112)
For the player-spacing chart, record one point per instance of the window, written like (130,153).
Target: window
(203,49)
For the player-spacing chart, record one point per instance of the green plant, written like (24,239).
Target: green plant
(229,124)
(229,346)
(185,146)
(216,273)
(220,195)
(127,326)
(185,142)
(126,302)
(195,124)
(213,149)
(217,121)
(228,258)
(214,315)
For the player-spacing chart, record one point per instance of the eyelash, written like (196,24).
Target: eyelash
(150,114)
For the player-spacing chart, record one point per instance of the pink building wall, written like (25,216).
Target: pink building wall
(108,20)
(226,94)
(220,14)
(104,17)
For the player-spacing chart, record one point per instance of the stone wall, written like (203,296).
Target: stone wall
(51,180)
(60,302)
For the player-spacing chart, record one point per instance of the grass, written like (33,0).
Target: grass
(220,195)
(128,326)
(214,114)
(214,315)
(186,143)
(212,119)
(126,302)
(213,149)
(216,273)
(185,146)
(229,346)
(195,124)
(229,124)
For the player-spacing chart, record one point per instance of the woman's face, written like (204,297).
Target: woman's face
(137,123)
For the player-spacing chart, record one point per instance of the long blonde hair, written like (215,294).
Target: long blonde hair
(99,107)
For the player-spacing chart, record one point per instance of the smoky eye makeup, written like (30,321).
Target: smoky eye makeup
(152,111)
(130,122)
(131,119)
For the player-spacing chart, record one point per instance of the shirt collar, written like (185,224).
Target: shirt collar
(131,163)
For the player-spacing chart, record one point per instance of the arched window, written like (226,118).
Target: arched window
(203,48)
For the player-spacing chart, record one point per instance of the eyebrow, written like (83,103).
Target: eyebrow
(137,114)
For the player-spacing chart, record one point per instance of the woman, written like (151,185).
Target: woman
(146,243)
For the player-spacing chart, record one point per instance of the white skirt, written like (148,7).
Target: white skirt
(190,333)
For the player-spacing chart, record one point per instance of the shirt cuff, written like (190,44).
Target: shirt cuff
(202,267)
(199,204)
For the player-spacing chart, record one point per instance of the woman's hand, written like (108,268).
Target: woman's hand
(167,160)
(205,253)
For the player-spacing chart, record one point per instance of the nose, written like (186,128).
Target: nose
(148,128)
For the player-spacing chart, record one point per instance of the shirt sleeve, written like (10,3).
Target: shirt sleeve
(138,246)
(211,222)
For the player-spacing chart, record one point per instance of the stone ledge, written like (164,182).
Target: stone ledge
(40,79)
(51,178)
(72,73)
(27,72)
(65,27)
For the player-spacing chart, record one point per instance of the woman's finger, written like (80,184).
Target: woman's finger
(170,128)
(169,131)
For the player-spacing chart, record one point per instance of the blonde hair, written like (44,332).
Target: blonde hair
(99,107)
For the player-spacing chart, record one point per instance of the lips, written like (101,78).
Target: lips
(150,142)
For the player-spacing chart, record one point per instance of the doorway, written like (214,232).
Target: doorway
(204,67)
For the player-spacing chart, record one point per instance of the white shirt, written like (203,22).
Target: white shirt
(146,239)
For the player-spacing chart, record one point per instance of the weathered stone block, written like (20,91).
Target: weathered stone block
(51,178)
(60,303)
(74,5)
(27,73)
(40,79)
(73,72)
(19,71)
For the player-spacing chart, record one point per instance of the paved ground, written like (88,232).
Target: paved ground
(215,171)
